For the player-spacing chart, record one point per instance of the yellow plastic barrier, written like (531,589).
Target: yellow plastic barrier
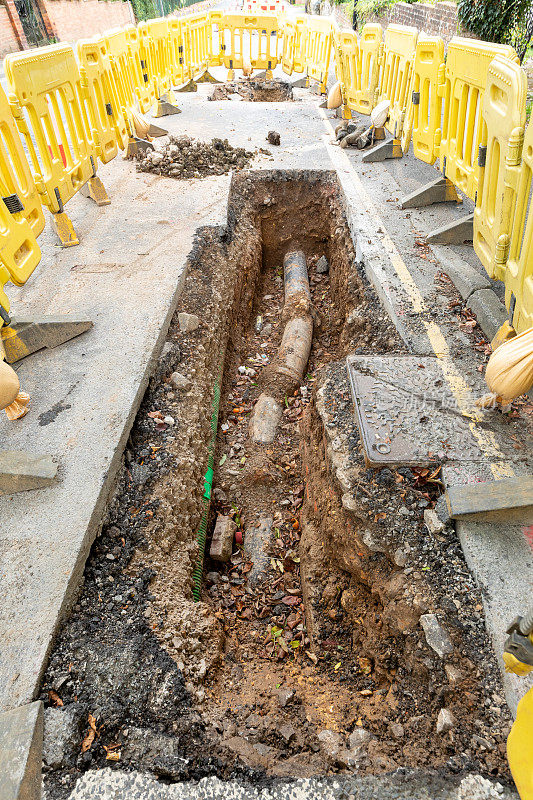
(294,42)
(396,64)
(424,106)
(246,39)
(102,99)
(122,67)
(346,47)
(154,36)
(196,43)
(144,87)
(463,87)
(21,213)
(318,49)
(519,268)
(47,103)
(504,116)
(178,65)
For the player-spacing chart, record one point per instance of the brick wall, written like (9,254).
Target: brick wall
(8,40)
(81,19)
(439,19)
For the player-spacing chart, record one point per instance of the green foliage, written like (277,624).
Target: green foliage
(371,8)
(492,20)
(143,9)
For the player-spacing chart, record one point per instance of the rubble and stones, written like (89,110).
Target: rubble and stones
(184,157)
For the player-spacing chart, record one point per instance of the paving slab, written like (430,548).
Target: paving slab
(21,744)
(118,785)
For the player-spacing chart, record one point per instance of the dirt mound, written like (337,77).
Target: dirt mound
(184,157)
(255,91)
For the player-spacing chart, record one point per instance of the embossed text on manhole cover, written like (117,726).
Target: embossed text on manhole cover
(407,413)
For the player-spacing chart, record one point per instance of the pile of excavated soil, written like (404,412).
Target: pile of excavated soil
(258,91)
(183,157)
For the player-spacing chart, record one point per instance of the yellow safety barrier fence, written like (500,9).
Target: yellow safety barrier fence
(396,63)
(462,89)
(519,269)
(21,213)
(180,69)
(104,109)
(47,103)
(318,49)
(294,44)
(154,36)
(424,110)
(357,65)
(499,159)
(196,35)
(243,39)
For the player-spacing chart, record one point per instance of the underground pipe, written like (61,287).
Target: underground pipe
(287,370)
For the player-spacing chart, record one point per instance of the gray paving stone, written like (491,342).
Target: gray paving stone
(21,746)
(465,278)
(489,310)
(109,785)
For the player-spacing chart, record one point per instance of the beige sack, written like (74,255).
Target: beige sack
(509,372)
(335,96)
(9,385)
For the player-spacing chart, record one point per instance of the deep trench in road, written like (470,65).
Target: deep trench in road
(305,654)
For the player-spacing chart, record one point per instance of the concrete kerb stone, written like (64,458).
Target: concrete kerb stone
(465,278)
(21,748)
(489,310)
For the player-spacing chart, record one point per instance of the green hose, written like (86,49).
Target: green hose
(201,533)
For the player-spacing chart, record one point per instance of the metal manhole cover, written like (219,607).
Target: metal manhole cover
(407,413)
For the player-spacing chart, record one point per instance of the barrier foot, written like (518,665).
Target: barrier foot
(346,112)
(378,134)
(206,77)
(95,190)
(25,335)
(136,145)
(190,86)
(503,334)
(164,108)
(20,471)
(269,75)
(231,75)
(441,190)
(62,224)
(461,231)
(381,152)
(301,83)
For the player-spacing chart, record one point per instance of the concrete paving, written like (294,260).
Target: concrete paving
(109,785)
(21,744)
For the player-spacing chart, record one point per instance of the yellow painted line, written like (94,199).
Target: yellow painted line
(459,388)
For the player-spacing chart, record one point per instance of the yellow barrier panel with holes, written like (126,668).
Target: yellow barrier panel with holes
(144,87)
(21,212)
(178,65)
(424,105)
(47,103)
(318,49)
(519,267)
(504,116)
(368,67)
(101,97)
(347,66)
(396,64)
(293,46)
(122,68)
(17,185)
(465,79)
(196,43)
(246,39)
(154,36)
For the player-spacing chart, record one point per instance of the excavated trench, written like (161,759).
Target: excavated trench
(255,90)
(305,654)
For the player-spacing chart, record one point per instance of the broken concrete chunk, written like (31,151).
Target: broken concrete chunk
(285,696)
(188,322)
(222,541)
(358,737)
(433,523)
(179,381)
(331,742)
(322,265)
(445,721)
(436,636)
(287,732)
(273,137)
(61,734)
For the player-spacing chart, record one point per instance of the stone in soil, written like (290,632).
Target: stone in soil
(274,138)
(436,636)
(222,541)
(185,158)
